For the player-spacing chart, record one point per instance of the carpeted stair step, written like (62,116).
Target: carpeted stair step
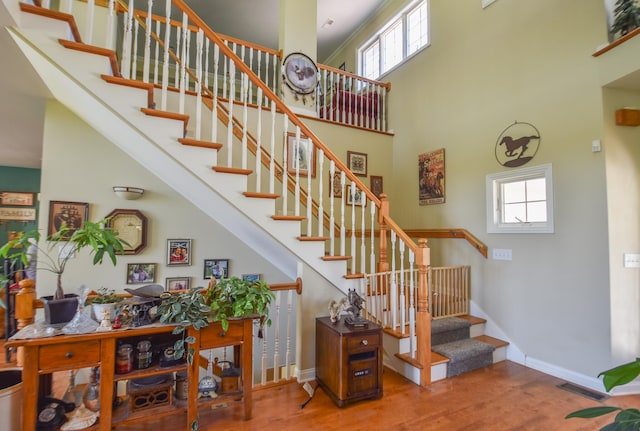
(449,329)
(465,355)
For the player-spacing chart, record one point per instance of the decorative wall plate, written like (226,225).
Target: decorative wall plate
(300,73)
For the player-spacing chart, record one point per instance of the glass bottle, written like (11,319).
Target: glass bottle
(124,359)
(70,395)
(91,397)
(144,354)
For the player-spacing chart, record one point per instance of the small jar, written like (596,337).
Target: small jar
(182,385)
(124,359)
(144,354)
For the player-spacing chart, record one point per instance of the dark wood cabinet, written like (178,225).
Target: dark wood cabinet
(348,360)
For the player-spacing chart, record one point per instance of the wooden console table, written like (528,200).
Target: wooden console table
(65,352)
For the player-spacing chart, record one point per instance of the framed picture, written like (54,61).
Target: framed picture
(71,214)
(178,252)
(356,197)
(141,273)
(218,268)
(177,283)
(252,277)
(357,163)
(19,199)
(335,181)
(376,185)
(302,156)
(431,177)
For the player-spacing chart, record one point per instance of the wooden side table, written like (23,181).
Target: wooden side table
(348,360)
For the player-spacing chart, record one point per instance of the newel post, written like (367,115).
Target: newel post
(24,311)
(383,263)
(423,318)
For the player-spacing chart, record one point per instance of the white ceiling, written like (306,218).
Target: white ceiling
(23,93)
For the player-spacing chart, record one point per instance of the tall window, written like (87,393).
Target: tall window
(397,40)
(520,201)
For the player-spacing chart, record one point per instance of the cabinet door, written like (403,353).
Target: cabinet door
(363,374)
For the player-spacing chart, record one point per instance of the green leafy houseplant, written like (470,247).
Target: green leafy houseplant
(184,309)
(105,296)
(233,297)
(98,237)
(626,419)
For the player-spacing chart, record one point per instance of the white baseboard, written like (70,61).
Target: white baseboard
(562,373)
(305,375)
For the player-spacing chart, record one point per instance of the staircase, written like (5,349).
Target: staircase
(458,345)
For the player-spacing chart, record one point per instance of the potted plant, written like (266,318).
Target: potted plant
(237,298)
(626,418)
(105,299)
(98,237)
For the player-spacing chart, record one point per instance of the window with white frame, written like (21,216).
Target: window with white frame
(397,40)
(520,201)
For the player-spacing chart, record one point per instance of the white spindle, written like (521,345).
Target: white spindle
(147,43)
(276,344)
(332,191)
(46,4)
(156,54)
(225,76)
(199,47)
(250,89)
(353,225)
(266,75)
(165,65)
(183,62)
(372,239)
(363,229)
(296,162)
(412,309)
(214,111)
(285,179)
(88,37)
(126,45)
(176,82)
(342,227)
(320,175)
(402,287)
(67,6)
(272,161)
(259,145)
(245,83)
(263,358)
(134,56)
(394,284)
(288,360)
(206,62)
(259,101)
(232,80)
(310,163)
(109,39)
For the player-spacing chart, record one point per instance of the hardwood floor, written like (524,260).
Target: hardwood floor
(505,396)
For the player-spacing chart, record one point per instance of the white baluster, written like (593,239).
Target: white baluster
(342,227)
(66,6)
(214,111)
(46,4)
(199,47)
(320,192)
(412,309)
(296,163)
(165,65)
(276,345)
(250,89)
(266,75)
(206,63)
(232,86)
(126,45)
(176,82)
(109,40)
(259,145)
(156,54)
(403,314)
(134,57)
(272,161)
(310,164)
(225,76)
(332,191)
(288,359)
(353,226)
(183,62)
(363,229)
(263,358)
(372,239)
(394,284)
(245,84)
(285,179)
(147,43)
(88,37)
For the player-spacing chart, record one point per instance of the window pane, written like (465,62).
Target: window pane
(537,212)
(371,61)
(536,190)
(514,213)
(417,34)
(392,46)
(513,192)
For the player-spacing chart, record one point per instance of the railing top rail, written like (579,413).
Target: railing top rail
(386,85)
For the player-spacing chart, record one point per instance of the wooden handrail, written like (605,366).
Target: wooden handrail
(617,42)
(386,85)
(455,233)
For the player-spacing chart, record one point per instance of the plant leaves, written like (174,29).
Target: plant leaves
(592,412)
(620,375)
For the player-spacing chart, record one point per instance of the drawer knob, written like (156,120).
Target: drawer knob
(222,334)
(364,342)
(68,355)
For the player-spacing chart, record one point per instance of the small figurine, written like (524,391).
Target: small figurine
(105,323)
(336,307)
(117,324)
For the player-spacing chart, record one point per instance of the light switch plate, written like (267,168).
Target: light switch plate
(502,254)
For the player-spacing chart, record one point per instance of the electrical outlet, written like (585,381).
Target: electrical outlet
(631,260)
(501,254)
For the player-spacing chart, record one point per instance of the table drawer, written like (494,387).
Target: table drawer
(69,355)
(356,342)
(214,336)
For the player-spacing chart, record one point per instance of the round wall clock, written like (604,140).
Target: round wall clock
(300,73)
(131,226)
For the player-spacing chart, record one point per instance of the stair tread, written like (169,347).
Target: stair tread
(461,350)
(437,358)
(495,342)
(92,49)
(261,195)
(473,319)
(133,83)
(354,276)
(238,171)
(199,143)
(37,9)
(288,217)
(329,258)
(313,238)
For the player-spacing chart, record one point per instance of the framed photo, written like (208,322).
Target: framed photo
(178,252)
(431,177)
(218,268)
(177,283)
(252,277)
(357,163)
(141,273)
(376,185)
(17,199)
(72,214)
(355,198)
(335,181)
(302,156)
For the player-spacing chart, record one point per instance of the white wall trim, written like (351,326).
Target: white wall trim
(514,354)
